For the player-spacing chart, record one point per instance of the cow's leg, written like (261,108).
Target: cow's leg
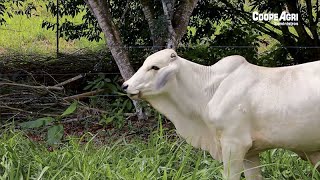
(314,158)
(251,166)
(233,153)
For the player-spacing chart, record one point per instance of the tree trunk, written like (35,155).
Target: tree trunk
(181,18)
(168,6)
(101,10)
(176,21)
(157,38)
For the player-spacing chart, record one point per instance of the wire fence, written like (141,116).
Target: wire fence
(23,42)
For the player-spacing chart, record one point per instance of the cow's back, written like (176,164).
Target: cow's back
(285,106)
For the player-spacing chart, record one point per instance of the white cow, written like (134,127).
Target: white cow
(234,109)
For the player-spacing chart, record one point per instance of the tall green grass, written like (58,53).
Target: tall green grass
(159,157)
(25,35)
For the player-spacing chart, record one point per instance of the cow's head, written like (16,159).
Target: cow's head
(154,75)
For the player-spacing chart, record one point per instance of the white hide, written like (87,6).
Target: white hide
(234,109)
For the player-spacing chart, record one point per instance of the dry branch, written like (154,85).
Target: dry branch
(18,103)
(95,110)
(33,87)
(69,81)
(83,95)
(25,111)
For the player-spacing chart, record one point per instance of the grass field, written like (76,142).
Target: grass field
(25,35)
(162,156)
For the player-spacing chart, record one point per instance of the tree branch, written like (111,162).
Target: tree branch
(149,14)
(34,87)
(292,7)
(101,11)
(181,18)
(125,11)
(246,16)
(69,81)
(83,95)
(318,12)
(25,111)
(167,9)
(312,24)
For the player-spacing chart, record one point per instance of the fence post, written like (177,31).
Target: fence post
(57,33)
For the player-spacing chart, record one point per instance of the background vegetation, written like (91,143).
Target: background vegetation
(86,128)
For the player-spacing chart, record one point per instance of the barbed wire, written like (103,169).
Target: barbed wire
(210,46)
(54,98)
(105,95)
(57,74)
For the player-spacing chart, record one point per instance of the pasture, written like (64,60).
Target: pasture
(161,156)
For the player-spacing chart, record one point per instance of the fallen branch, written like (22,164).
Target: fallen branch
(83,95)
(88,108)
(95,110)
(15,94)
(33,87)
(69,81)
(74,120)
(25,111)
(18,103)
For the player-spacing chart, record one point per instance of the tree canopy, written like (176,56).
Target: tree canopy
(212,23)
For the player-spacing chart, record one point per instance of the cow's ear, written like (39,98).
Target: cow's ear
(164,75)
(173,56)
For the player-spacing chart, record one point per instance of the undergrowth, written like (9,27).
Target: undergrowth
(161,156)
(158,158)
(25,35)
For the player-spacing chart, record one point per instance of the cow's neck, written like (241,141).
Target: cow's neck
(189,93)
(186,104)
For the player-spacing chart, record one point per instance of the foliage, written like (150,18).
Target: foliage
(237,38)
(2,10)
(68,29)
(21,35)
(276,56)
(305,33)
(162,156)
(55,130)
(208,22)
(233,39)
(117,106)
(17,7)
(101,82)
(129,20)
(206,19)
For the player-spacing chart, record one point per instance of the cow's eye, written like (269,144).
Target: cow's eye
(155,68)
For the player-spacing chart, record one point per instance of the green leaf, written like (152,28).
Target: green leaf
(70,109)
(106,120)
(42,172)
(55,134)
(99,85)
(87,87)
(37,123)
(112,87)
(107,80)
(127,104)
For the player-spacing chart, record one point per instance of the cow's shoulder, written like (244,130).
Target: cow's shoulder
(229,64)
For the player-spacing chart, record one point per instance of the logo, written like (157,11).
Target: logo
(283,19)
